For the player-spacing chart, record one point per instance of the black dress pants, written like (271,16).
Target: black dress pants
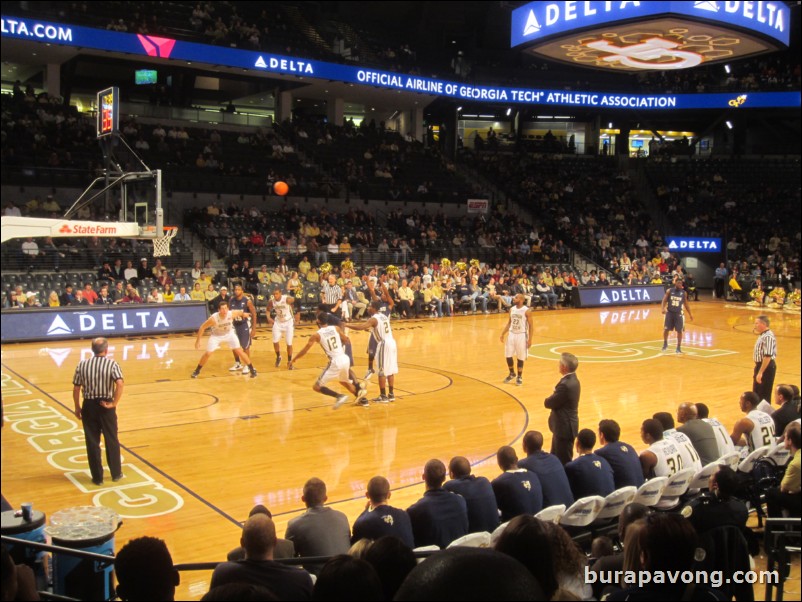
(765,389)
(563,449)
(96,420)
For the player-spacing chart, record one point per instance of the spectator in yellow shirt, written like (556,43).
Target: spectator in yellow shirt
(197,293)
(304,266)
(788,495)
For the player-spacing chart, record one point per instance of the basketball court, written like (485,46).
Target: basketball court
(199,453)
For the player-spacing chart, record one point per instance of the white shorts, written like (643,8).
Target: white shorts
(229,339)
(387,354)
(516,345)
(336,370)
(283,328)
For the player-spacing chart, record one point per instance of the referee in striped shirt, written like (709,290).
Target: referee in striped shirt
(764,355)
(331,295)
(102,382)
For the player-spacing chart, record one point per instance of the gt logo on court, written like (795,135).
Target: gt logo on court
(50,432)
(589,350)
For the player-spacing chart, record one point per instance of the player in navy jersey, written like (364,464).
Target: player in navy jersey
(675,303)
(244,326)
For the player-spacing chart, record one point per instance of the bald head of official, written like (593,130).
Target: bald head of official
(100,346)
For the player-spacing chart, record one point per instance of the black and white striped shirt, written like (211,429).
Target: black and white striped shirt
(765,346)
(97,376)
(331,293)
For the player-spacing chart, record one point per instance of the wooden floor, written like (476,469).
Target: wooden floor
(198,454)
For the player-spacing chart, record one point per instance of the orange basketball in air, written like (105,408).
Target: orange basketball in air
(281,188)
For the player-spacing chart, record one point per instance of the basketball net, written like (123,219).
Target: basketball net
(161,244)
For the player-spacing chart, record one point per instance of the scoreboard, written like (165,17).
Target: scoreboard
(108,112)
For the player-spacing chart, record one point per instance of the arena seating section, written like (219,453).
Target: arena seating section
(594,205)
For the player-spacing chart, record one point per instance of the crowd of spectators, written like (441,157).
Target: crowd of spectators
(579,203)
(40,135)
(37,129)
(373,162)
(513,256)
(731,200)
(587,202)
(595,207)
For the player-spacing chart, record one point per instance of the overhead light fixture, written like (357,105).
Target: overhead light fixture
(459,109)
(487,116)
(727,69)
(729,124)
(610,125)
(508,112)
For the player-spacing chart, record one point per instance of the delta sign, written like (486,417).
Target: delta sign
(299,68)
(680,244)
(638,36)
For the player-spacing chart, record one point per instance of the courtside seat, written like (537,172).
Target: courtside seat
(701,478)
(431,549)
(649,493)
(472,540)
(583,511)
(676,486)
(552,513)
(747,464)
(779,454)
(578,518)
(731,459)
(606,523)
(615,502)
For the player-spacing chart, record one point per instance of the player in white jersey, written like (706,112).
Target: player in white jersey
(283,324)
(222,325)
(519,327)
(690,457)
(663,457)
(386,349)
(756,429)
(723,440)
(387,303)
(333,340)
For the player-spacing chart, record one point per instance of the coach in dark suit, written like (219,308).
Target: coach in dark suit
(564,403)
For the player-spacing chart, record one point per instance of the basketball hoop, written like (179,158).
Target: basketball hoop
(161,244)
